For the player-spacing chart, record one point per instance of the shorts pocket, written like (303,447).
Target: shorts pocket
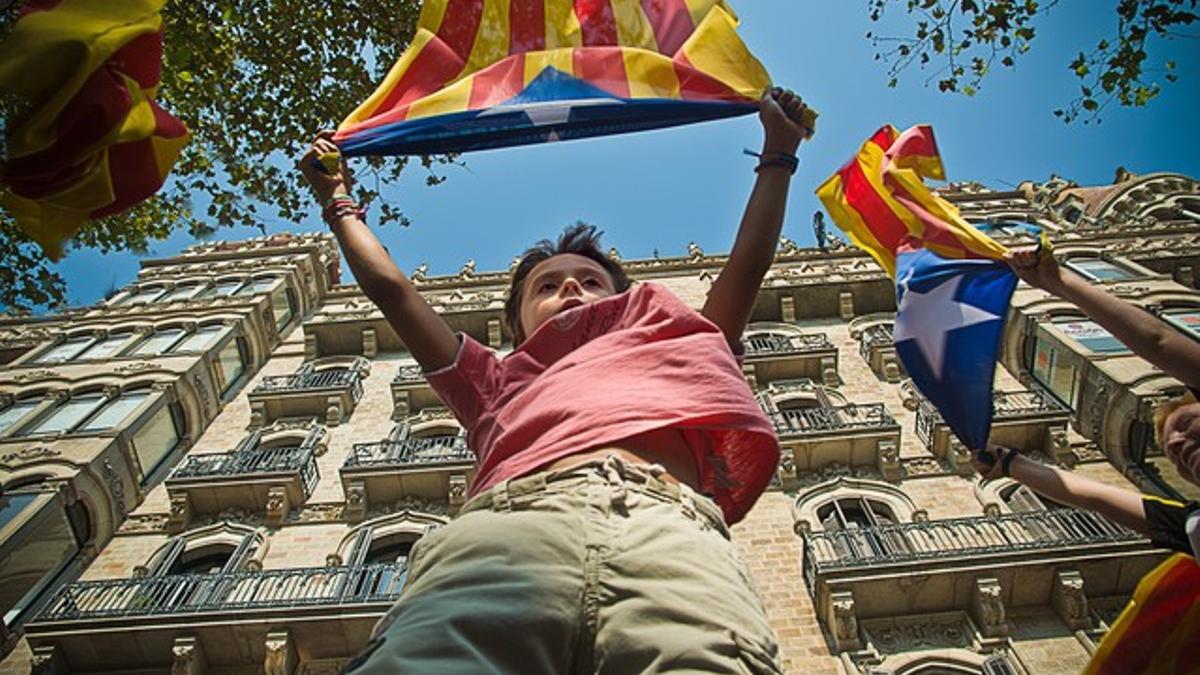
(758,658)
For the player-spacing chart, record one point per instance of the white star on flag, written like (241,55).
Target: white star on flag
(929,317)
(545,113)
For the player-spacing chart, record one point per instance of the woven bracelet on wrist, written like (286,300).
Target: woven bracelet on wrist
(785,160)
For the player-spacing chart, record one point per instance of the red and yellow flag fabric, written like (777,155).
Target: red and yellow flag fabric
(93,141)
(1158,633)
(879,198)
(492,73)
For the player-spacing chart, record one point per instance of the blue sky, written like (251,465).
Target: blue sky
(662,189)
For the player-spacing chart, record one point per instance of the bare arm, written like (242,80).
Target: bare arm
(1120,506)
(428,338)
(1146,335)
(732,296)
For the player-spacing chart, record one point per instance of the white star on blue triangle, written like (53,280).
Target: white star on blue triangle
(948,329)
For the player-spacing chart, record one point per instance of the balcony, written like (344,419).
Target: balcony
(1031,421)
(274,480)
(223,620)
(877,347)
(788,355)
(437,468)
(411,393)
(980,565)
(854,435)
(326,392)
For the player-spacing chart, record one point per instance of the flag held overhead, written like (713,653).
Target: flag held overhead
(952,293)
(485,74)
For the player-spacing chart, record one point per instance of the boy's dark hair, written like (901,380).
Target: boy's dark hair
(580,239)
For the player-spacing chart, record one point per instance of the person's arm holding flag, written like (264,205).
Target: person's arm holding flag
(1168,523)
(786,122)
(1168,349)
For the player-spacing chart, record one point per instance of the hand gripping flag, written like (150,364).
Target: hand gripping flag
(93,141)
(493,73)
(1158,632)
(952,294)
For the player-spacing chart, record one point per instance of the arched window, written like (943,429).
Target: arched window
(211,559)
(849,513)
(216,549)
(377,551)
(223,288)
(258,285)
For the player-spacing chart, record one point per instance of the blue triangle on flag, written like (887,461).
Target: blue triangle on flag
(553,84)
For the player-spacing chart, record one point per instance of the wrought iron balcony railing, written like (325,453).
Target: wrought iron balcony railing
(224,592)
(780,345)
(1008,405)
(819,420)
(247,463)
(315,381)
(912,543)
(873,337)
(410,452)
(409,375)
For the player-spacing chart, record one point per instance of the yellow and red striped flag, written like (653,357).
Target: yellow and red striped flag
(493,73)
(1158,633)
(879,198)
(93,142)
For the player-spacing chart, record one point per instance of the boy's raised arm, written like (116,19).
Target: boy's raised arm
(731,298)
(426,334)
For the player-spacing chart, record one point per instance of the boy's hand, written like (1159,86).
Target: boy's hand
(325,185)
(786,120)
(1036,268)
(987,463)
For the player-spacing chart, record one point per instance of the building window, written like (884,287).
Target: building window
(202,339)
(849,513)
(1098,269)
(259,285)
(283,304)
(141,296)
(1090,334)
(158,342)
(1186,320)
(44,539)
(185,292)
(88,412)
(223,288)
(156,439)
(1021,499)
(13,414)
(215,549)
(231,363)
(1054,368)
(105,347)
(67,415)
(66,350)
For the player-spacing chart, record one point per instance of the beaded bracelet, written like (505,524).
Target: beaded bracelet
(340,207)
(785,160)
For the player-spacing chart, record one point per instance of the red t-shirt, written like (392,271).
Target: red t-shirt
(629,364)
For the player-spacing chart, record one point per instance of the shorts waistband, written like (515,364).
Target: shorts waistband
(644,478)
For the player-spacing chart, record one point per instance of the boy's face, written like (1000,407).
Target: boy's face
(559,283)
(1181,440)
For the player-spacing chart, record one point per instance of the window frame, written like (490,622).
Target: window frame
(1078,265)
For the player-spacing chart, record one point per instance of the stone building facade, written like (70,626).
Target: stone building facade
(221,469)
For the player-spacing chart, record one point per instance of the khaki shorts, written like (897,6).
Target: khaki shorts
(599,568)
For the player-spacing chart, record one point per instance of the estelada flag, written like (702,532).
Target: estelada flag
(492,73)
(879,198)
(92,142)
(1158,632)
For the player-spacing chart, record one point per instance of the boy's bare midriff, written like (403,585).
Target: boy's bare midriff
(664,447)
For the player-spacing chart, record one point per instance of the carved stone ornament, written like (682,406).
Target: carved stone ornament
(923,466)
(830,472)
(188,656)
(280,654)
(987,607)
(895,636)
(29,455)
(34,375)
(843,623)
(117,487)
(1068,599)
